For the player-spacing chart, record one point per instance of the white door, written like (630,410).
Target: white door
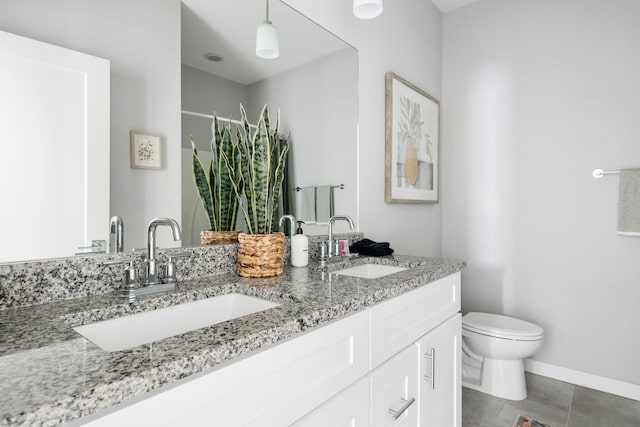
(54,149)
(394,390)
(440,381)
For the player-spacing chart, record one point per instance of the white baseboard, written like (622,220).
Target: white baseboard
(607,385)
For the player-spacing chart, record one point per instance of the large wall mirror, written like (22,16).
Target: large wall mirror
(313,83)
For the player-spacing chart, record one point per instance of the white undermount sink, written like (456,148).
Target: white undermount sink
(369,271)
(142,328)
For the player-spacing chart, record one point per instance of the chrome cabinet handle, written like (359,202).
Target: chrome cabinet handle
(399,412)
(431,356)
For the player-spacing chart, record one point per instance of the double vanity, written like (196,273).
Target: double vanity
(372,340)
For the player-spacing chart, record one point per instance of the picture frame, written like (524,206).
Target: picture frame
(146,150)
(412,143)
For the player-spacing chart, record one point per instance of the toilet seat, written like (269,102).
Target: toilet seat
(498,326)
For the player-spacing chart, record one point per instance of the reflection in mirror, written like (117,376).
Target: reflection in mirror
(54,134)
(141,41)
(313,83)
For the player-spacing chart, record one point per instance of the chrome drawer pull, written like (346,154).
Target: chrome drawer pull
(432,359)
(399,412)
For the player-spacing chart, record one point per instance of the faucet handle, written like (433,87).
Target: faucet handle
(118,261)
(170,267)
(97,247)
(130,274)
(324,253)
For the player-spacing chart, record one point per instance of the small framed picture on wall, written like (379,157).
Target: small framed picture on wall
(146,150)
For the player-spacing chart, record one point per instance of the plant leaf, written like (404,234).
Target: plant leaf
(262,170)
(261,164)
(202,185)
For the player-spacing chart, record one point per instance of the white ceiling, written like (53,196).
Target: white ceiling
(448,5)
(228,28)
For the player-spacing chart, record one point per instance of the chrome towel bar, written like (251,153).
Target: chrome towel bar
(599,173)
(341,187)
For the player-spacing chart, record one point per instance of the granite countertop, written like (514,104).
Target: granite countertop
(49,374)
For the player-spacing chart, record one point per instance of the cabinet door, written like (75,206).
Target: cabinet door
(350,408)
(440,381)
(394,390)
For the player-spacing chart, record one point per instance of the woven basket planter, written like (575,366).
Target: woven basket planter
(208,237)
(260,255)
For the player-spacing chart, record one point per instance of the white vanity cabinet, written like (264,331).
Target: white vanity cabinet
(394,391)
(364,370)
(439,357)
(400,395)
(400,321)
(274,387)
(349,408)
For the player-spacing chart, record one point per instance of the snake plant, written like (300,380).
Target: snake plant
(215,185)
(263,162)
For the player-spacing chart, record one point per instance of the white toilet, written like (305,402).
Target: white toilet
(493,350)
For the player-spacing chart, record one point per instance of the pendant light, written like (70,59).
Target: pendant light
(367,9)
(267,46)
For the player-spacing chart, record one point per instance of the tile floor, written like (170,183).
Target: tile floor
(553,402)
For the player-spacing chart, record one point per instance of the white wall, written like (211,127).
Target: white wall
(405,39)
(538,94)
(142,41)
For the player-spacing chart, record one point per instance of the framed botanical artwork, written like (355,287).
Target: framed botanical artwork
(146,150)
(412,143)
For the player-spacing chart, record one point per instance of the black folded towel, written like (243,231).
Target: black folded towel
(370,248)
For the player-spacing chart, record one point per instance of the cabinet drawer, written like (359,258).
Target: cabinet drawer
(394,391)
(397,323)
(350,408)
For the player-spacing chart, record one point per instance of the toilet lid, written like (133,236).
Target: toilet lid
(501,326)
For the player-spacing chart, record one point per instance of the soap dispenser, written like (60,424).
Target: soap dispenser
(299,248)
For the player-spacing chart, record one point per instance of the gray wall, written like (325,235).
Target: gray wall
(538,94)
(405,39)
(318,106)
(142,41)
(318,103)
(203,92)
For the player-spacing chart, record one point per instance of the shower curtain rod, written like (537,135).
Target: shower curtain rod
(210,116)
(599,173)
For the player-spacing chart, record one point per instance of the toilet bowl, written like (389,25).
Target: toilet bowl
(493,350)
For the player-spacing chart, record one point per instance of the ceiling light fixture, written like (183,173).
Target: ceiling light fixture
(213,57)
(267,46)
(367,9)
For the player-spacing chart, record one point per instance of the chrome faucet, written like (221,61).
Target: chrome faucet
(116,234)
(151,276)
(333,219)
(292,223)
